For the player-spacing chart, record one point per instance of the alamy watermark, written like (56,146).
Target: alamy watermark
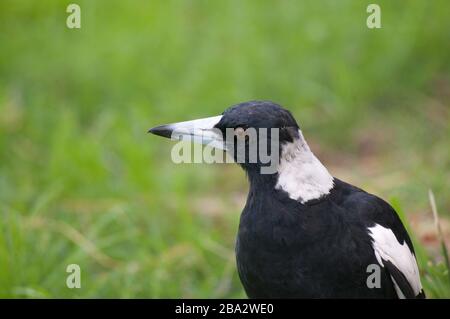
(374,277)
(74,279)
(73,20)
(374,19)
(250,146)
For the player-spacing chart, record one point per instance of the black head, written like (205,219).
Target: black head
(255,127)
(262,117)
(257,114)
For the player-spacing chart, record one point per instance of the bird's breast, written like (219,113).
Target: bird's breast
(272,251)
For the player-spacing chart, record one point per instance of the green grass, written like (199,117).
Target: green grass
(81,181)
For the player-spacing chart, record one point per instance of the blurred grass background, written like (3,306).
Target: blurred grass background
(81,181)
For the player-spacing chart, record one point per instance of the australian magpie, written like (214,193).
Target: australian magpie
(304,233)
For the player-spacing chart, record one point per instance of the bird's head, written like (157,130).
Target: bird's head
(248,131)
(266,141)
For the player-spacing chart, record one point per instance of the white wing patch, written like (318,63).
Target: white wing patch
(388,248)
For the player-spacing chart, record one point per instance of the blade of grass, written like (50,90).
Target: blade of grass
(439,230)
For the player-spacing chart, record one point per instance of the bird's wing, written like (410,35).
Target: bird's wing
(390,241)
(398,259)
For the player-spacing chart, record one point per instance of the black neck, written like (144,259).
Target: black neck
(261,181)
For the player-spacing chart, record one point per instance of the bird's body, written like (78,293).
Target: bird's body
(320,249)
(303,233)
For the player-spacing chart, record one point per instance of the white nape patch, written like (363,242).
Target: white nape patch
(388,248)
(301,174)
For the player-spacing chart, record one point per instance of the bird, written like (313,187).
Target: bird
(304,233)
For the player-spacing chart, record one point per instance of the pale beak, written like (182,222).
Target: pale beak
(198,131)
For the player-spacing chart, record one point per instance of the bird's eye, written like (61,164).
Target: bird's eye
(239,132)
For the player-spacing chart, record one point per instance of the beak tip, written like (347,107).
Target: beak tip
(162,130)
